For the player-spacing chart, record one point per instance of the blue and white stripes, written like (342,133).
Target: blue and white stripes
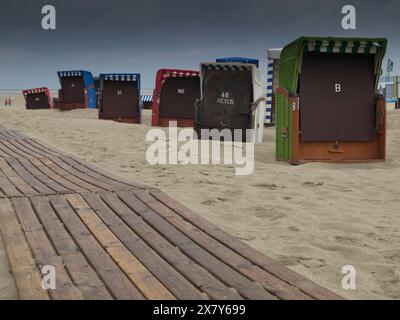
(119,77)
(63,74)
(147,98)
(270,91)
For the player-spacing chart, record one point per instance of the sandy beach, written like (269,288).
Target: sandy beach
(315,218)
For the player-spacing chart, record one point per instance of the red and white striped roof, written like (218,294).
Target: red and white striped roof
(178,74)
(34,91)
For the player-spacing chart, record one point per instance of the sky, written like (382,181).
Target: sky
(143,36)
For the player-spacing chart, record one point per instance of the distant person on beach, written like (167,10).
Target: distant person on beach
(8,101)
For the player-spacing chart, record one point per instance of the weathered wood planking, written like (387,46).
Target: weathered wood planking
(27,276)
(268,264)
(241,264)
(83,274)
(109,238)
(136,271)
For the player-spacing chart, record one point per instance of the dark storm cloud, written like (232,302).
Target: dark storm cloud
(142,36)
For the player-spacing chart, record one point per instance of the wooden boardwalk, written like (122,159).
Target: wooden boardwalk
(113,239)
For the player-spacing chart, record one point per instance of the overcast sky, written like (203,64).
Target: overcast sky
(143,36)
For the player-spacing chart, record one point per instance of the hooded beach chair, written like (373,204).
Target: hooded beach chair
(38,98)
(328,106)
(120,97)
(77,90)
(174,97)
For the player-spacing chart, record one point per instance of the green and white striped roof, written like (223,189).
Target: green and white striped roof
(351,47)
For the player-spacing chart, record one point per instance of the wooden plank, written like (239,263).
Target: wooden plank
(2,136)
(27,277)
(115,185)
(31,180)
(272,284)
(14,134)
(3,154)
(42,177)
(22,145)
(108,175)
(277,269)
(84,276)
(84,166)
(226,274)
(143,279)
(198,275)
(56,156)
(115,280)
(39,145)
(27,148)
(21,185)
(7,151)
(171,278)
(68,176)
(7,134)
(6,169)
(96,183)
(55,177)
(44,252)
(20,151)
(16,180)
(8,188)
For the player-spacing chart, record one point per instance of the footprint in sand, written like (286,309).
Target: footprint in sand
(312,184)
(209,203)
(392,256)
(267,186)
(311,263)
(271,214)
(208,182)
(233,194)
(345,240)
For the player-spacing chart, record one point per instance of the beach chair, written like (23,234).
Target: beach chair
(38,98)
(328,106)
(120,97)
(232,98)
(174,97)
(77,90)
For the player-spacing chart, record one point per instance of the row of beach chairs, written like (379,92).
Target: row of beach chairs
(322,94)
